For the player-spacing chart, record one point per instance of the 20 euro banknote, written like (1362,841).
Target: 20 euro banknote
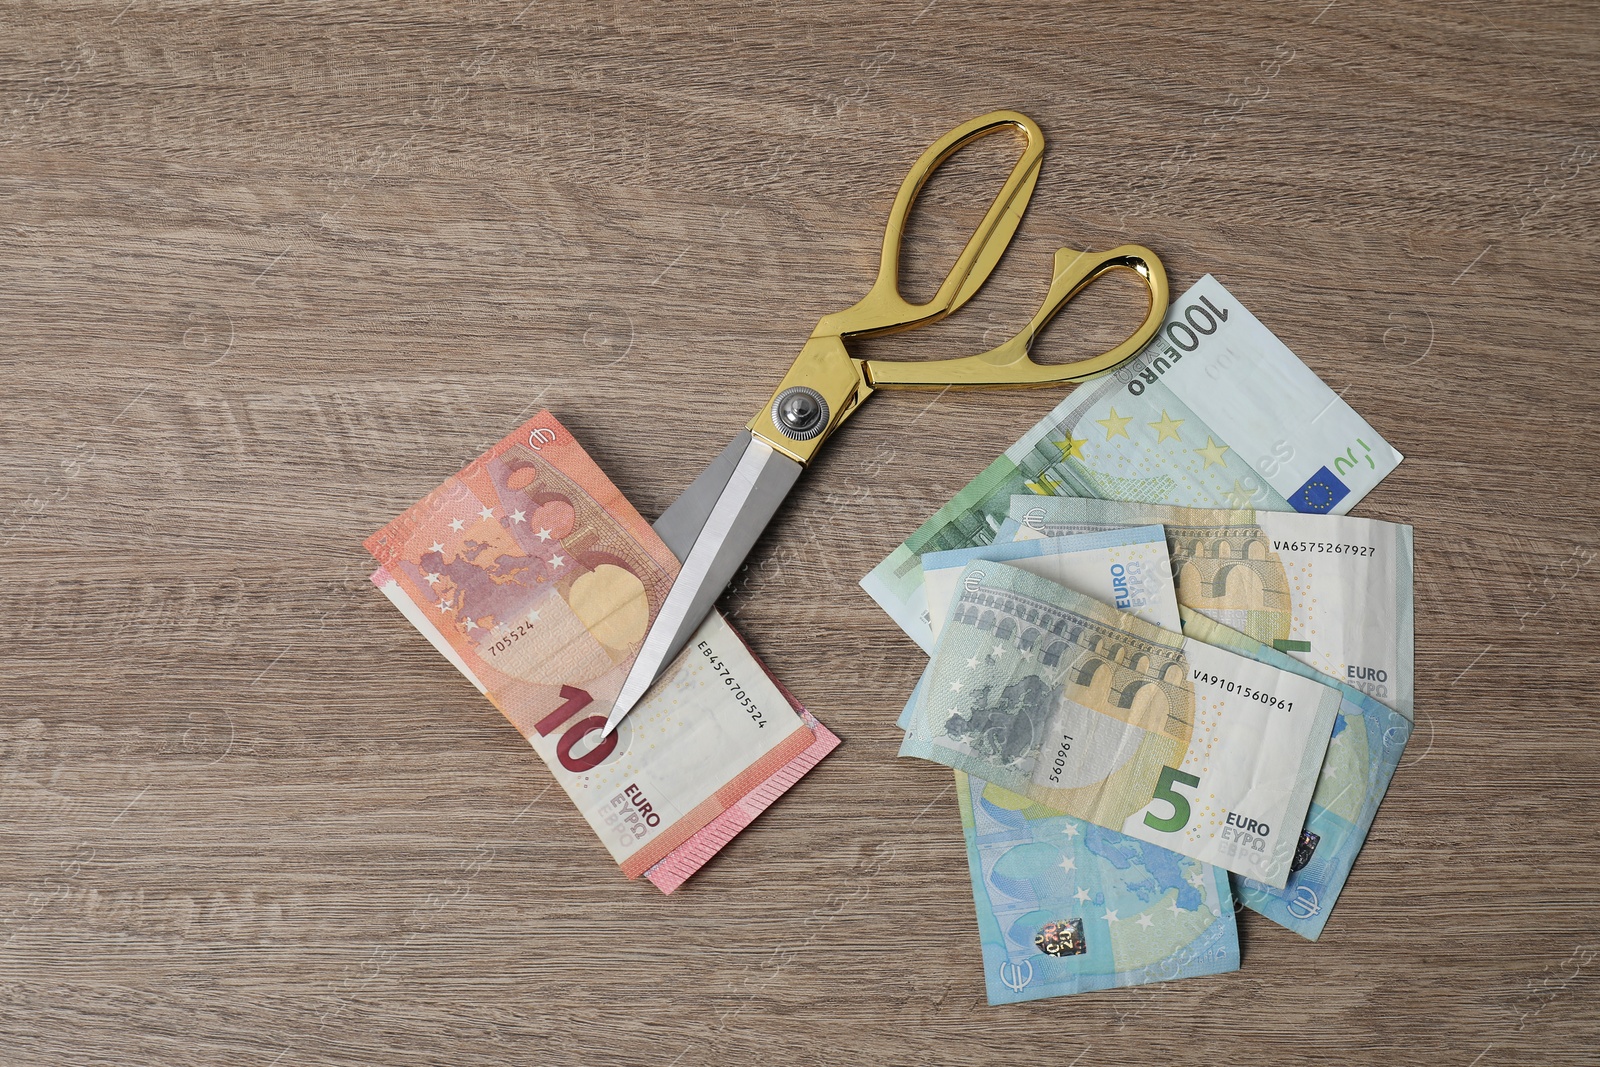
(1065,906)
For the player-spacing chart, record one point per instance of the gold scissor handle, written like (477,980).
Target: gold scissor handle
(884,309)
(1009,363)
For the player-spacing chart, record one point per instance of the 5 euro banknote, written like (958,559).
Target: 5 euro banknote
(1132,727)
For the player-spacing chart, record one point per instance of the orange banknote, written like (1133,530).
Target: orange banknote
(533,575)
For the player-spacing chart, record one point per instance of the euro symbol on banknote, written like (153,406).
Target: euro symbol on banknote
(1303,905)
(1016,976)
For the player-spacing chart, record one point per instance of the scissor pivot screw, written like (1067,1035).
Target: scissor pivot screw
(800,412)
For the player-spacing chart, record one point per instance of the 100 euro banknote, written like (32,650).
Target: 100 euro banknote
(1215,412)
(1332,591)
(1127,725)
(538,580)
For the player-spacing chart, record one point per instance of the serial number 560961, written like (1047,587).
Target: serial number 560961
(1059,764)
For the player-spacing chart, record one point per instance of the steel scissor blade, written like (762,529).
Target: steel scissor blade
(681,523)
(744,503)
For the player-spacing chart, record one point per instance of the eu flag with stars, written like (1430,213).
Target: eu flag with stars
(1320,493)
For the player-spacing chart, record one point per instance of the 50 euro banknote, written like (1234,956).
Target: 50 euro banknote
(1093,712)
(537,579)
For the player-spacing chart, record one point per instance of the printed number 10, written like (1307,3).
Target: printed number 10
(575,700)
(1179,818)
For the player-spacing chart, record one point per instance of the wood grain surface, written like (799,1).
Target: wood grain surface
(269,274)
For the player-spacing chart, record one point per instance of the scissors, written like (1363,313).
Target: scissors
(714,524)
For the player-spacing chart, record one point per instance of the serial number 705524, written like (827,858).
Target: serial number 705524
(511,637)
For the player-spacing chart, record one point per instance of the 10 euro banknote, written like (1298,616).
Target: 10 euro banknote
(538,581)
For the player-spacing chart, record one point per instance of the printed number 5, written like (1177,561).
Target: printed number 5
(1180,803)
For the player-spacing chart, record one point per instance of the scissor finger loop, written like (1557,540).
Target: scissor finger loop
(884,309)
(1010,364)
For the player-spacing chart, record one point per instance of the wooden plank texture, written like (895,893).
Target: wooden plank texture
(269,273)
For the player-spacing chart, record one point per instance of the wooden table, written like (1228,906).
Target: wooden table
(271,275)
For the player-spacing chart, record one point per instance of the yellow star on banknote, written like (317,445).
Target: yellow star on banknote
(1116,424)
(1212,452)
(1167,427)
(1072,447)
(1238,496)
(1045,486)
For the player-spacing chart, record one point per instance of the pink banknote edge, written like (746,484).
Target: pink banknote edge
(676,866)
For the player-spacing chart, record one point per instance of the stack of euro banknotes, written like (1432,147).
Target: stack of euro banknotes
(531,573)
(1172,678)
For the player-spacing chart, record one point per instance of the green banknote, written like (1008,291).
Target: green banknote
(1093,712)
(1332,591)
(1215,412)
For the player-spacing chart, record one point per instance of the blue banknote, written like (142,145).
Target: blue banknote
(1067,907)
